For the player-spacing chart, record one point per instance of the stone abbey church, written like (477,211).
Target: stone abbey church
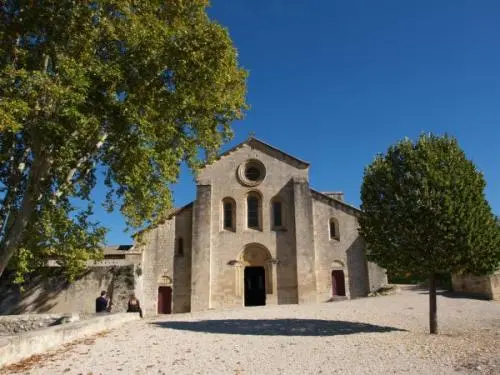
(256,234)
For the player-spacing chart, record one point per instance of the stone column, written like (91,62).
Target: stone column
(304,240)
(148,284)
(200,257)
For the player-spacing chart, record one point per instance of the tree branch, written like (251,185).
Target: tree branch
(67,181)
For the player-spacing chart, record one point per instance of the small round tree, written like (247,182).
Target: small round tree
(424,212)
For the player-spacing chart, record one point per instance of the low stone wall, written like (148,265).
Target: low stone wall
(495,286)
(16,348)
(14,324)
(54,295)
(481,286)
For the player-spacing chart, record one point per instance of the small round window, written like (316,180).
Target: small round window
(251,173)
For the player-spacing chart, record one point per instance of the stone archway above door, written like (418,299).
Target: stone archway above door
(254,255)
(337,264)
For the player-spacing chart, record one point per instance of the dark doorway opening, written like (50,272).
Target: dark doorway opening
(338,283)
(164,300)
(255,286)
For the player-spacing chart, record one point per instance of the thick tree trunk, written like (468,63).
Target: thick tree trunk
(12,189)
(433,325)
(15,233)
(16,229)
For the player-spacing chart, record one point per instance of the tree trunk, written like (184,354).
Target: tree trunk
(15,233)
(433,325)
(13,189)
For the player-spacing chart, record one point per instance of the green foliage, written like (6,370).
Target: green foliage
(424,211)
(127,88)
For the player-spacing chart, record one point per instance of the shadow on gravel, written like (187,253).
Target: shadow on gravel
(277,327)
(449,294)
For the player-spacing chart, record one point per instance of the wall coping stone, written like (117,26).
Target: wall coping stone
(18,347)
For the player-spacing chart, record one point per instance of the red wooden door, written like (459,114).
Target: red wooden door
(338,283)
(164,300)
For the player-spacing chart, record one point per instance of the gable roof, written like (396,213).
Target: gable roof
(177,211)
(335,202)
(266,148)
(170,214)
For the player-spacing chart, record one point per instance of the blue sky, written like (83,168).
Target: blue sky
(336,82)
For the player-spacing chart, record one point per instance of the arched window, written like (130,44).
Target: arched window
(277,214)
(254,210)
(180,247)
(334,229)
(229,214)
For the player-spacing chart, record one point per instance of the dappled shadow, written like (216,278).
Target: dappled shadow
(38,294)
(276,327)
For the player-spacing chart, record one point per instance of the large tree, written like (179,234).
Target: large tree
(424,212)
(127,88)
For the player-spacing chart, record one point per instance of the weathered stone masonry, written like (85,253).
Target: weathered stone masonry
(297,258)
(277,242)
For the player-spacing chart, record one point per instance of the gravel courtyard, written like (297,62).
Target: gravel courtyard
(378,335)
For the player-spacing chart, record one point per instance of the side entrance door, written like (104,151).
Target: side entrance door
(338,283)
(164,300)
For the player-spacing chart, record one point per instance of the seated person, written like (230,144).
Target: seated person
(101,303)
(134,305)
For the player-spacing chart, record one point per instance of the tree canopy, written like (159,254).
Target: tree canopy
(424,211)
(127,88)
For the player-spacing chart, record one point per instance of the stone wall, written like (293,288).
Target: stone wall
(482,286)
(345,252)
(221,249)
(377,277)
(298,257)
(15,324)
(201,249)
(182,262)
(55,295)
(304,240)
(157,266)
(18,347)
(495,286)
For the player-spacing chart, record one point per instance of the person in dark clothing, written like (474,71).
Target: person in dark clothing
(134,305)
(101,303)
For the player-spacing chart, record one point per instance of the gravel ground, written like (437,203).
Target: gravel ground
(379,335)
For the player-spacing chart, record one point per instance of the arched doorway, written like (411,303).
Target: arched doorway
(338,283)
(254,275)
(255,286)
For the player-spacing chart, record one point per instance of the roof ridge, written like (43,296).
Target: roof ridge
(170,214)
(177,211)
(249,141)
(336,200)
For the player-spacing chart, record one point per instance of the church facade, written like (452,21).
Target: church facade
(256,234)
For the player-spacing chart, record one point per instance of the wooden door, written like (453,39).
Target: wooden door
(255,286)
(164,300)
(338,283)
